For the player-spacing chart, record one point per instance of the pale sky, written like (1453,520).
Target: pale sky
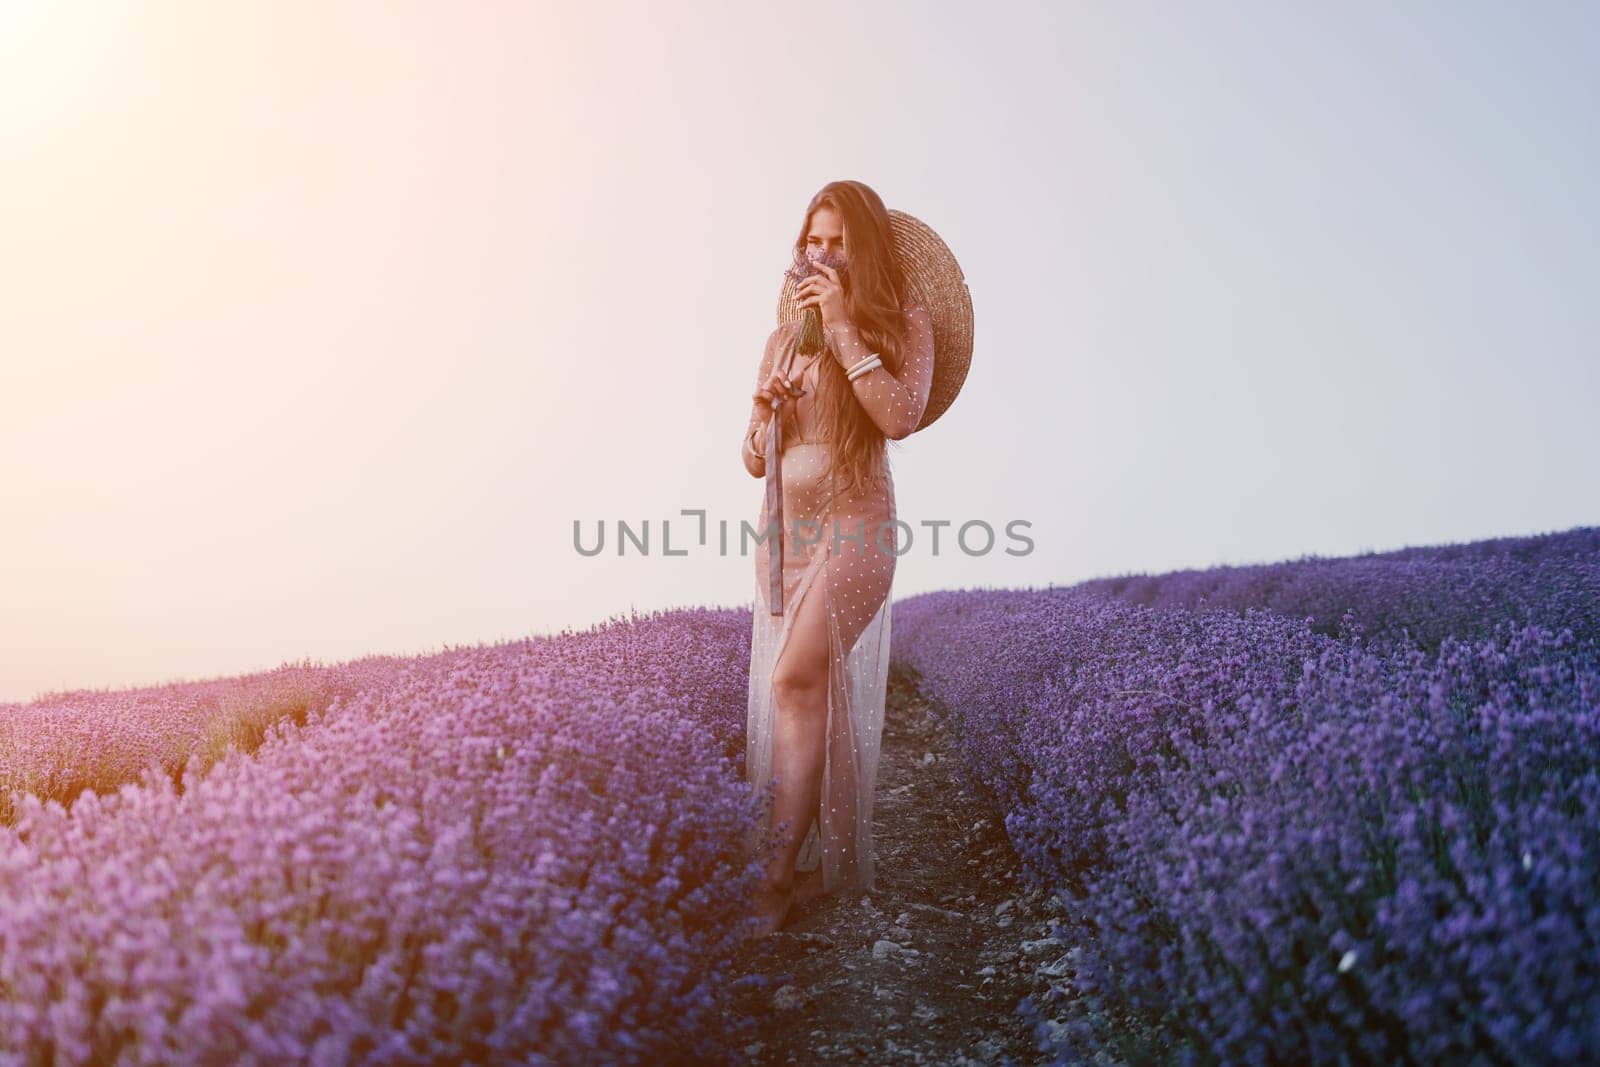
(320,323)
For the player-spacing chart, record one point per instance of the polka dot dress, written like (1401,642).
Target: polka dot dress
(831,550)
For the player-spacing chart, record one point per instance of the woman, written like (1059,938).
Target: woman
(818,670)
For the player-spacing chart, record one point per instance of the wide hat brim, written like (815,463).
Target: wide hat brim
(934,280)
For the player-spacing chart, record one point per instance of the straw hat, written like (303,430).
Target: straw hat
(934,280)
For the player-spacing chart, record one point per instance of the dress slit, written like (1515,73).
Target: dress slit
(838,839)
(768,639)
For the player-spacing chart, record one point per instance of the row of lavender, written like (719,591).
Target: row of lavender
(60,744)
(529,852)
(1285,845)
(1409,598)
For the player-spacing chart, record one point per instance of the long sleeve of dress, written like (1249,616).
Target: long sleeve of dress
(894,402)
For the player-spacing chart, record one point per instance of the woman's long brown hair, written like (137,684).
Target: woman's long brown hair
(874,299)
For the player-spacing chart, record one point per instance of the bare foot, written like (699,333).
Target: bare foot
(772,907)
(810,887)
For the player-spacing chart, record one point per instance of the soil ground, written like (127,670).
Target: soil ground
(930,966)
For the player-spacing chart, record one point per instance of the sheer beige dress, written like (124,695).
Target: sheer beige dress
(853,576)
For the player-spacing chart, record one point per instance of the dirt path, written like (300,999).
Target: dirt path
(929,968)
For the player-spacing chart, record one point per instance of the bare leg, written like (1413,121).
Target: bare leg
(800,696)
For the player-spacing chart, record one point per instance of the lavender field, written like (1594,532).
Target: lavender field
(529,851)
(1321,810)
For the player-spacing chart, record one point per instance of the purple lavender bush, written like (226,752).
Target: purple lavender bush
(1284,840)
(60,744)
(529,853)
(1410,598)
(1401,867)
(1063,704)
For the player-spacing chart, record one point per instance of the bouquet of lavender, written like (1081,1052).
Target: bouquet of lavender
(810,339)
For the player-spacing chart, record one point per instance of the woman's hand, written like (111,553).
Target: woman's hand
(825,292)
(777,388)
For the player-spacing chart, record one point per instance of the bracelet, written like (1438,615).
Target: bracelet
(750,438)
(866,366)
(872,361)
